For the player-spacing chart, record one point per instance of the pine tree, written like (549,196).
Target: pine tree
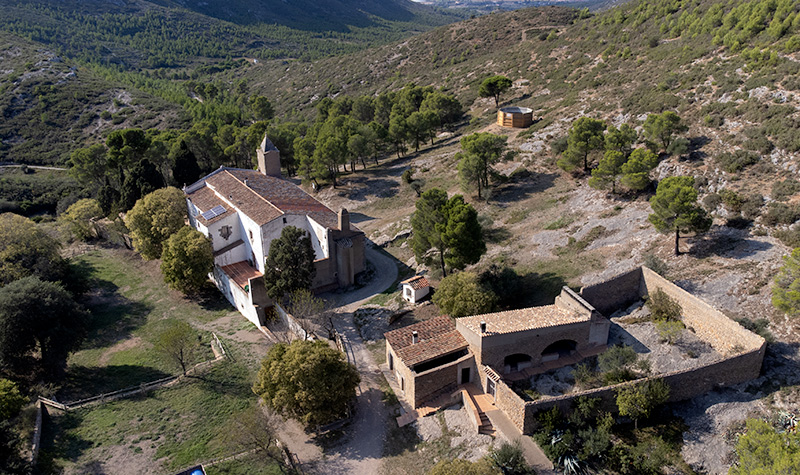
(290,263)
(675,208)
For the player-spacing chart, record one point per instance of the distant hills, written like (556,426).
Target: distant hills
(319,15)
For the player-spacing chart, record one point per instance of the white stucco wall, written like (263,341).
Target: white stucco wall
(274,228)
(236,296)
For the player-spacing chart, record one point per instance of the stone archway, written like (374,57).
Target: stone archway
(559,349)
(516,362)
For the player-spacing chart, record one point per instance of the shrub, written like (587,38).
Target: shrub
(782,190)
(616,357)
(733,201)
(712,201)
(655,264)
(751,207)
(790,237)
(779,213)
(735,162)
(759,326)
(663,307)
(669,331)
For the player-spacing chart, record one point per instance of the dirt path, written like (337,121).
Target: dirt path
(361,449)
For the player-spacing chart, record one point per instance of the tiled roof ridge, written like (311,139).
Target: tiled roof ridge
(252,190)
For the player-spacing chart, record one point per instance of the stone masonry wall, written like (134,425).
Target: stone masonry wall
(495,348)
(683,385)
(745,348)
(611,295)
(434,380)
(714,327)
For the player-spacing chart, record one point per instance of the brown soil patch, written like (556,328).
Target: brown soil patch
(123,345)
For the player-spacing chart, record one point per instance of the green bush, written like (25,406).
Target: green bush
(655,264)
(736,161)
(669,331)
(663,307)
(790,237)
(751,206)
(779,213)
(782,190)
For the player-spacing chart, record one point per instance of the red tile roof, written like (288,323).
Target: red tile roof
(437,337)
(205,199)
(262,198)
(523,319)
(241,273)
(417,282)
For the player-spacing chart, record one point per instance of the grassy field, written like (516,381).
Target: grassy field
(172,427)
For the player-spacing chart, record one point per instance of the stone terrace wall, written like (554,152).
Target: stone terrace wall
(612,295)
(714,327)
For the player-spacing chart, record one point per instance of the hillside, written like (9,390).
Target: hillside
(143,34)
(50,105)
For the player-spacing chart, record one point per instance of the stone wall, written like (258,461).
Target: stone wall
(714,327)
(433,381)
(495,348)
(612,295)
(683,385)
(745,349)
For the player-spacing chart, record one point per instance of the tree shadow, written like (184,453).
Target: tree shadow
(727,242)
(210,298)
(496,235)
(60,440)
(522,187)
(86,381)
(113,317)
(540,289)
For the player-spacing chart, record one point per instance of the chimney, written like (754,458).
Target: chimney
(414,337)
(483,327)
(344,220)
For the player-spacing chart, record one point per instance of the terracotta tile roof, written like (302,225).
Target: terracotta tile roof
(205,199)
(437,337)
(522,319)
(417,282)
(241,273)
(262,198)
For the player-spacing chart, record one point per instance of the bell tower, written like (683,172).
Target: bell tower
(269,158)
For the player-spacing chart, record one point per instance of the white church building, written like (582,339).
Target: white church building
(242,211)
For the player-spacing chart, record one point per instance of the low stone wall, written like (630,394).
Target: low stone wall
(683,385)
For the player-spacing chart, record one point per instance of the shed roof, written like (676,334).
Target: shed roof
(417,282)
(437,337)
(522,319)
(241,273)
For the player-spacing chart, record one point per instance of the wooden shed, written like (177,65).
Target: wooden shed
(518,117)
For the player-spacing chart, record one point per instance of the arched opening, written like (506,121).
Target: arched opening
(516,362)
(559,349)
